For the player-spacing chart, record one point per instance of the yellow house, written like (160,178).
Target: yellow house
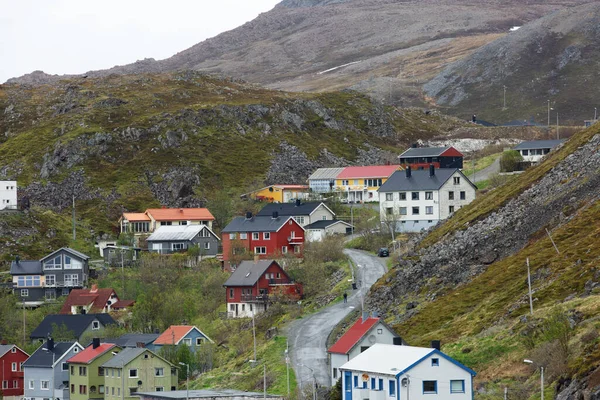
(361,184)
(279,193)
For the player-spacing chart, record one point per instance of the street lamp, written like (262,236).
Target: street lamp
(548,113)
(314,380)
(114,353)
(253,363)
(52,370)
(187,380)
(541,373)
(595,113)
(504,107)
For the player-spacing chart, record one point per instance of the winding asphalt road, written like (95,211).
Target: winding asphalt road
(307,336)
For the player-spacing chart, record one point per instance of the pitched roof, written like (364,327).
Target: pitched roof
(167,233)
(83,297)
(419,180)
(538,144)
(74,323)
(291,209)
(256,224)
(136,217)
(175,333)
(123,304)
(5,348)
(424,151)
(353,335)
(26,267)
(371,171)
(90,353)
(132,339)
(248,272)
(68,250)
(322,224)
(388,359)
(325,173)
(124,357)
(180,214)
(43,358)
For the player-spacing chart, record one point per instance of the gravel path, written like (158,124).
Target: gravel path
(307,336)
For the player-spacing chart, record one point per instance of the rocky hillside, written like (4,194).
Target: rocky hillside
(554,58)
(128,142)
(465,282)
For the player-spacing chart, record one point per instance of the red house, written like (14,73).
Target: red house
(440,157)
(255,284)
(11,369)
(264,236)
(93,301)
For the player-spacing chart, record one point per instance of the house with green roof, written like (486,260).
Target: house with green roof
(137,370)
(86,374)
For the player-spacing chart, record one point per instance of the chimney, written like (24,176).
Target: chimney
(163,207)
(181,210)
(436,344)
(95,343)
(397,341)
(156,331)
(414,145)
(94,288)
(275,215)
(431,170)
(17,259)
(248,214)
(3,342)
(365,316)
(50,344)
(298,202)
(408,172)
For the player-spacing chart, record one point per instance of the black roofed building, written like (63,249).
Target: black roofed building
(77,326)
(135,339)
(416,200)
(303,213)
(423,157)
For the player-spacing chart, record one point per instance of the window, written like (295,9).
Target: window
(92,389)
(4,384)
(231,293)
(31,385)
(347,384)
(356,182)
(335,373)
(82,389)
(207,246)
(324,218)
(392,388)
(183,223)
(379,331)
(267,235)
(133,373)
(415,211)
(163,223)
(525,152)
(28,281)
(72,388)
(297,249)
(45,385)
(450,195)
(72,370)
(13,350)
(402,195)
(380,384)
(177,246)
(389,196)
(299,220)
(364,348)
(14,366)
(414,196)
(100,371)
(435,362)
(159,372)
(232,236)
(231,307)
(255,236)
(457,386)
(403,211)
(451,209)
(54,263)
(50,294)
(65,366)
(50,280)
(198,341)
(118,373)
(344,182)
(389,210)
(243,236)
(15,384)
(112,390)
(428,195)
(284,249)
(101,389)
(429,210)
(429,387)
(82,371)
(457,180)
(278,275)
(95,325)
(71,280)
(260,250)
(187,341)
(372,383)
(160,389)
(463,195)
(355,381)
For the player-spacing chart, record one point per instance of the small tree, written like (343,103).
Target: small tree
(509,161)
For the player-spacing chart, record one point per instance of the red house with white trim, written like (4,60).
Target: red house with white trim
(423,157)
(254,285)
(11,370)
(263,236)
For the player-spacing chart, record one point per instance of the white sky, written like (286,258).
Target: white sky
(75,36)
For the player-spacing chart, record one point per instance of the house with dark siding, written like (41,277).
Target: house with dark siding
(179,238)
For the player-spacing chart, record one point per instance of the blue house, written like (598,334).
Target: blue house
(181,334)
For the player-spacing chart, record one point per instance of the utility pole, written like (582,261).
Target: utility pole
(505,393)
(548,113)
(287,364)
(529,283)
(504,107)
(254,335)
(74,230)
(595,113)
(557,135)
(23,322)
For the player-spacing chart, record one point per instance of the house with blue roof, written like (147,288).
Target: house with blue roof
(397,372)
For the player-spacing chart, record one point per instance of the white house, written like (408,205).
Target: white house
(318,230)
(534,150)
(415,200)
(386,372)
(359,337)
(8,195)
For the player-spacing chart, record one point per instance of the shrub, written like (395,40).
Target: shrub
(509,161)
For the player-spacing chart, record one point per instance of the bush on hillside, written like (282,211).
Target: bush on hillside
(510,160)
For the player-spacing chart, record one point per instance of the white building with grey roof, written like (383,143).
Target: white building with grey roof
(411,201)
(323,179)
(534,150)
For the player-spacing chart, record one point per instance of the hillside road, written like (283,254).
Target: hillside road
(307,336)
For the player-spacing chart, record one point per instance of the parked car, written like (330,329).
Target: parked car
(383,252)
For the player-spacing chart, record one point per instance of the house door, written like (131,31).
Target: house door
(236,309)
(347,385)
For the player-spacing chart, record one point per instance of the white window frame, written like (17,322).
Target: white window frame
(428,210)
(13,367)
(46,384)
(133,370)
(389,196)
(51,278)
(232,236)
(284,249)
(260,250)
(206,245)
(198,341)
(24,292)
(159,371)
(255,235)
(187,341)
(95,325)
(243,236)
(428,195)
(177,246)
(31,384)
(267,235)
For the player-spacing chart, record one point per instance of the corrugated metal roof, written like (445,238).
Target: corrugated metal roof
(325,173)
(176,232)
(538,144)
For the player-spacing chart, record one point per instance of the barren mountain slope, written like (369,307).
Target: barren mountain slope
(555,58)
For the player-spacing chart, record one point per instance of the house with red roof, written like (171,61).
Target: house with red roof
(11,370)
(86,374)
(364,333)
(93,301)
(360,184)
(143,224)
(176,335)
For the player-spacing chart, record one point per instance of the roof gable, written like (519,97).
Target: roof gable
(67,250)
(5,348)
(43,358)
(90,353)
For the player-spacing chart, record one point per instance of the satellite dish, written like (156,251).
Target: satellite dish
(139,383)
(372,339)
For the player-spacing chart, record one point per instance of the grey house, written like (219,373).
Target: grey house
(179,238)
(79,325)
(53,276)
(46,372)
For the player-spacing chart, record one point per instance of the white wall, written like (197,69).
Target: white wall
(248,309)
(8,194)
(449,186)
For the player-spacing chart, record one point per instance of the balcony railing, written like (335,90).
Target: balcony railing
(250,298)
